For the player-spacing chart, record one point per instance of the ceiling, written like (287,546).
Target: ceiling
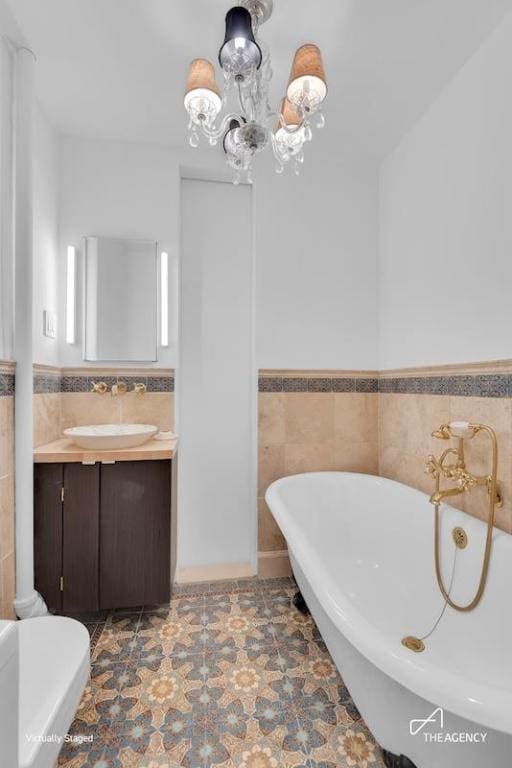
(116,68)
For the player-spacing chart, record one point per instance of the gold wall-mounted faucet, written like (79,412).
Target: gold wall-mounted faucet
(119,389)
(457,472)
(99,387)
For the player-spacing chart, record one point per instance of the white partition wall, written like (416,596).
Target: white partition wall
(216,384)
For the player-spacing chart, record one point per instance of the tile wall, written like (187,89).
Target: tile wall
(378,424)
(7,557)
(414,403)
(309,422)
(63,398)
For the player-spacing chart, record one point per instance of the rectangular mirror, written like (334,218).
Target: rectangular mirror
(120,300)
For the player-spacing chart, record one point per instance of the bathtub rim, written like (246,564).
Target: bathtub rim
(480,703)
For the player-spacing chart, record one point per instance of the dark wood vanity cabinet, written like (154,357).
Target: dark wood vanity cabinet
(102,534)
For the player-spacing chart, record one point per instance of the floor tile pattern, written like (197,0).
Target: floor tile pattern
(227,675)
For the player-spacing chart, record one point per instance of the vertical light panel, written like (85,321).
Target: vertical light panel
(164,299)
(71,295)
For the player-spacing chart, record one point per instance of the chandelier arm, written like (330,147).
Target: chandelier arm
(243,107)
(292,128)
(215,133)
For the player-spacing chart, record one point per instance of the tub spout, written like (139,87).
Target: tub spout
(438,496)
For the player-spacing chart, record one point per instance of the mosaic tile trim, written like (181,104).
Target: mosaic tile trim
(6,384)
(480,385)
(49,383)
(46,383)
(316,384)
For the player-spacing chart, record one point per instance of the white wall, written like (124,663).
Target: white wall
(117,189)
(216,382)
(316,246)
(46,241)
(446,225)
(315,237)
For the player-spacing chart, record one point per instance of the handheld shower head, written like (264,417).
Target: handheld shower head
(462,429)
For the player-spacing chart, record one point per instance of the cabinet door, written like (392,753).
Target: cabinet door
(81,538)
(48,482)
(135,533)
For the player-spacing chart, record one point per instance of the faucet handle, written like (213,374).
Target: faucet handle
(431,466)
(100,387)
(139,389)
(443,433)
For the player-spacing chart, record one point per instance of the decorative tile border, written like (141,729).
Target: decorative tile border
(317,384)
(48,383)
(476,384)
(6,384)
(463,385)
(480,385)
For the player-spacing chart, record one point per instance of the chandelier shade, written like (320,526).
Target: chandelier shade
(202,94)
(239,51)
(307,87)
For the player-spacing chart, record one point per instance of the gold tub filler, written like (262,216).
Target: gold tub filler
(451,466)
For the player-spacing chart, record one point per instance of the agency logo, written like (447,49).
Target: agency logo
(437,716)
(435,732)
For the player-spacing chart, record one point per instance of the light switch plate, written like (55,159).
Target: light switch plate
(50,324)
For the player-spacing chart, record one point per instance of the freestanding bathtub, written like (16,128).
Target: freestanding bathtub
(362,552)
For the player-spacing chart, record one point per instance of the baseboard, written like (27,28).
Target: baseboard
(274,564)
(221,572)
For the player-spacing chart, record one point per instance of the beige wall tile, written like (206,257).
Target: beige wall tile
(6,436)
(309,417)
(6,515)
(496,413)
(79,408)
(151,408)
(350,456)
(47,420)
(270,466)
(270,537)
(7,580)
(271,418)
(355,416)
(273,565)
(309,457)
(312,432)
(405,426)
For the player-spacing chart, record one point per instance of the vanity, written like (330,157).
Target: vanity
(104,523)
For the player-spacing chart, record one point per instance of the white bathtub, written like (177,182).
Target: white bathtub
(362,551)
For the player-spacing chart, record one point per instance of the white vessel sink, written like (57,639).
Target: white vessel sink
(111,436)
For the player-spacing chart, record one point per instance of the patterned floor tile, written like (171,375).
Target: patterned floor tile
(225,676)
(345,746)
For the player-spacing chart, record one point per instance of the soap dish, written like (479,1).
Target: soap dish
(169,435)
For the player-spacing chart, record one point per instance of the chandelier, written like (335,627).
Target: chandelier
(245,62)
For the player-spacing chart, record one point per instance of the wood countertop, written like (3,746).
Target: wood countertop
(64,450)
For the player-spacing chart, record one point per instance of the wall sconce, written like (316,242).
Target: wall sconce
(71,295)
(164,299)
